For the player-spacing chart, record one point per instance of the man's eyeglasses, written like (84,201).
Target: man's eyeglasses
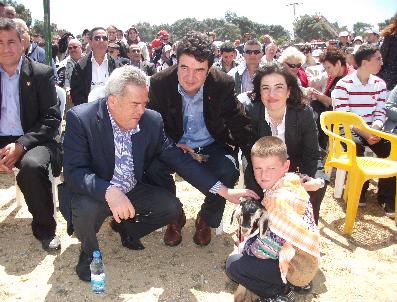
(103,38)
(253,52)
(299,65)
(73,47)
(135,50)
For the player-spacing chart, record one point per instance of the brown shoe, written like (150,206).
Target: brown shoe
(202,236)
(173,234)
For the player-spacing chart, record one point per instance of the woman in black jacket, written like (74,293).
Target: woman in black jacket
(277,109)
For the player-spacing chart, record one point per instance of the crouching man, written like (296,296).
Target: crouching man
(108,145)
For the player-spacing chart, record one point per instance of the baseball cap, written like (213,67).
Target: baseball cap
(163,33)
(343,34)
(372,31)
(358,38)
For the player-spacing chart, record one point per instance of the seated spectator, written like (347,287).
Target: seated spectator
(364,94)
(136,59)
(244,73)
(358,40)
(293,60)
(114,52)
(335,65)
(66,67)
(93,69)
(270,54)
(228,55)
(30,118)
(165,60)
(307,51)
(343,40)
(133,37)
(373,37)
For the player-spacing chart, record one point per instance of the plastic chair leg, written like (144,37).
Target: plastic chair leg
(352,201)
(339,183)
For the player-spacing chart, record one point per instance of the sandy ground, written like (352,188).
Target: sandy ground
(361,267)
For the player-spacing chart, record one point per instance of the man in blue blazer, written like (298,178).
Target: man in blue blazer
(108,146)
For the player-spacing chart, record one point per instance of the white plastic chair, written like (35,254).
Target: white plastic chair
(55,181)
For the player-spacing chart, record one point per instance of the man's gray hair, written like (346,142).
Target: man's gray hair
(123,76)
(253,42)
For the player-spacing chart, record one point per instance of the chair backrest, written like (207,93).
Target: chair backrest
(341,147)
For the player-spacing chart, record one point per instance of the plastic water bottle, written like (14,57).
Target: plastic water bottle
(97,273)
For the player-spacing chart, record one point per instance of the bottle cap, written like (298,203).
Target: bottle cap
(96,254)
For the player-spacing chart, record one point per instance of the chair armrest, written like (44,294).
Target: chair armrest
(392,138)
(350,145)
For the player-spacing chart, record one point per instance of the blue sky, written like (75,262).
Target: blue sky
(75,15)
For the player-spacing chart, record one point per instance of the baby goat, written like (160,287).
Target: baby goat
(250,215)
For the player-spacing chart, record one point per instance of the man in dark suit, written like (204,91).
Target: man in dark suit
(29,121)
(202,115)
(92,70)
(109,143)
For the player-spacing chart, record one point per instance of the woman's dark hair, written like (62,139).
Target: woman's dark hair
(295,97)
(333,55)
(63,42)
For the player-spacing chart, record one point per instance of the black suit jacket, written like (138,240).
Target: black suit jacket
(301,139)
(89,151)
(223,114)
(80,83)
(39,109)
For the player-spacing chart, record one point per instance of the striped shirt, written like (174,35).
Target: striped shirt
(365,100)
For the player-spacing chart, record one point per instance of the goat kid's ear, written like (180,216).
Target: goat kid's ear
(263,223)
(236,213)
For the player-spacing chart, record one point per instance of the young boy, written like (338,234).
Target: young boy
(289,249)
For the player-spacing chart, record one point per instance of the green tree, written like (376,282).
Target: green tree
(383,24)
(308,28)
(38,27)
(22,12)
(359,28)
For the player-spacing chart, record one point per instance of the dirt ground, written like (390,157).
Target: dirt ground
(361,267)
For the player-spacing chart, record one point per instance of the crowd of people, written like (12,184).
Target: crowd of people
(199,109)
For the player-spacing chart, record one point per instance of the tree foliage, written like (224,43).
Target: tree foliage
(383,24)
(314,27)
(359,28)
(38,27)
(22,12)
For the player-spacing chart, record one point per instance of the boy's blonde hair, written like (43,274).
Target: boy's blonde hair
(268,146)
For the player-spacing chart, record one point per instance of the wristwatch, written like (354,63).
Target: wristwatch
(23,147)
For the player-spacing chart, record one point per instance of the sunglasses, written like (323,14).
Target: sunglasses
(73,47)
(253,52)
(299,65)
(103,38)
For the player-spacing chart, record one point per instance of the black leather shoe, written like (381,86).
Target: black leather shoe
(51,244)
(127,241)
(131,243)
(83,267)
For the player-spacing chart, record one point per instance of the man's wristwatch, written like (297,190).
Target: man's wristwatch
(23,147)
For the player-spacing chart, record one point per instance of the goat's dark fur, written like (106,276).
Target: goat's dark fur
(250,215)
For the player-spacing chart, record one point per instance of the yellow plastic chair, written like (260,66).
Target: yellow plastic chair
(360,169)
